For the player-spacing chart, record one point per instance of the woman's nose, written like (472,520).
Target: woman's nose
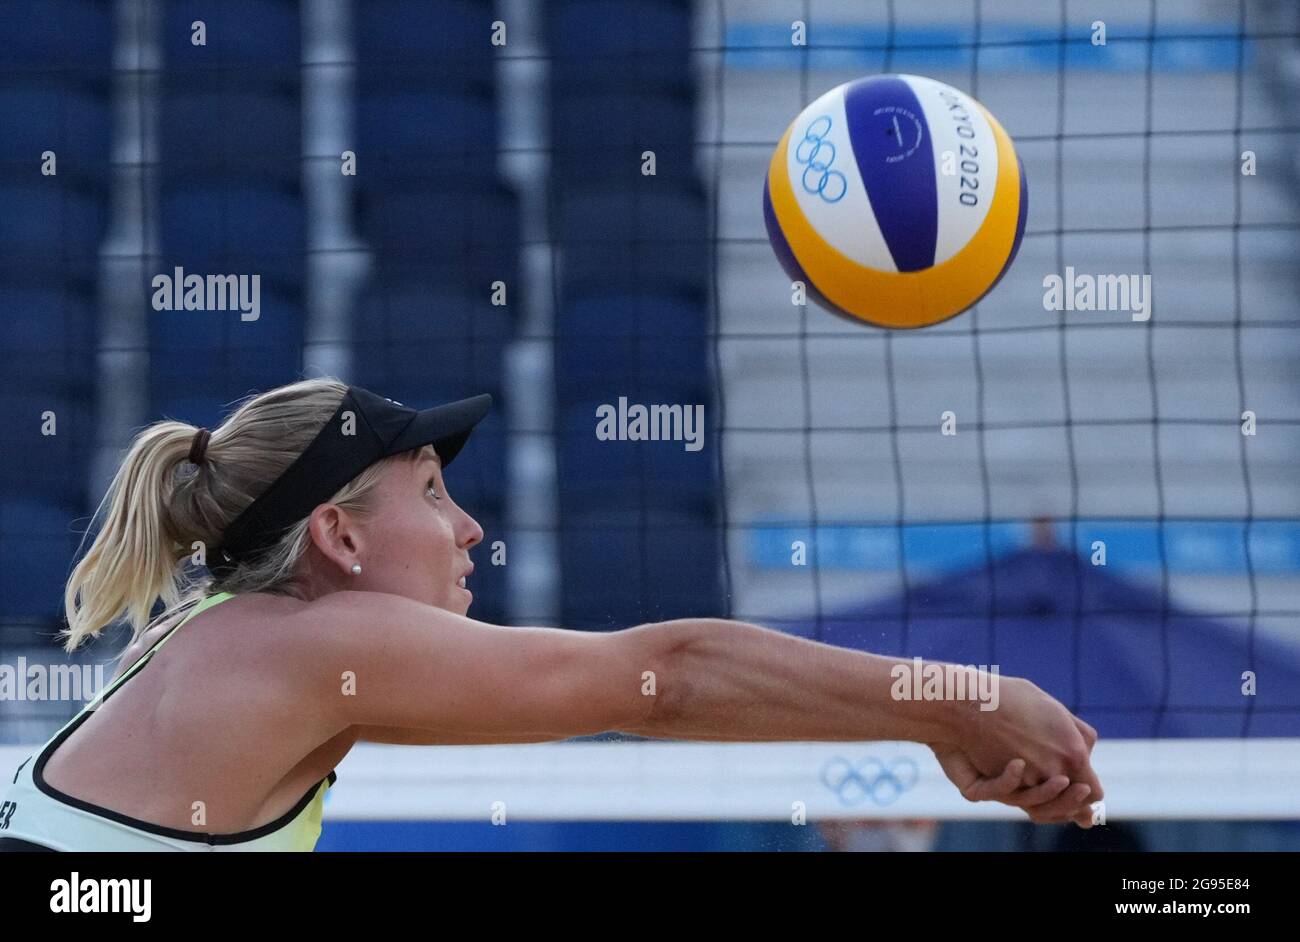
(470,533)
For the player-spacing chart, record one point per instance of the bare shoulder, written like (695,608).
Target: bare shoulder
(352,618)
(351,627)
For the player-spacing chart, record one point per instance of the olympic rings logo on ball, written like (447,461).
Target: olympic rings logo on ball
(870,778)
(831,180)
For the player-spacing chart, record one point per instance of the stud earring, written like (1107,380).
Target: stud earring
(356,569)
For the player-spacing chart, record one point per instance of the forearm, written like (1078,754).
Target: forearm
(732,681)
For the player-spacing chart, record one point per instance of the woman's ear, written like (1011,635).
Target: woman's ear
(336,535)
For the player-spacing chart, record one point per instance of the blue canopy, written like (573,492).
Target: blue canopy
(1118,654)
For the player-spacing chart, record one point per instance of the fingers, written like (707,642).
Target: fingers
(1054,800)
(996,789)
(1079,766)
(1040,794)
(1065,807)
(1085,774)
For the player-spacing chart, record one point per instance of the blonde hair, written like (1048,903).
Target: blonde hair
(155,512)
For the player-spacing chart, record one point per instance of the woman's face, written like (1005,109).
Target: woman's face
(417,539)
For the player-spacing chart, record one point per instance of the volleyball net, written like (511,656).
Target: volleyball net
(1075,491)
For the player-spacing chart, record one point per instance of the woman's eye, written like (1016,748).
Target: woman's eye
(432,490)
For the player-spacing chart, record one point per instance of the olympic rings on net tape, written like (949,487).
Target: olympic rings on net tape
(869,779)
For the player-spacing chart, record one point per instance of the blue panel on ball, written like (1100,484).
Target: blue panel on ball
(785,255)
(891,145)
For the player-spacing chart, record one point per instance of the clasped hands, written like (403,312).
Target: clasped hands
(1030,753)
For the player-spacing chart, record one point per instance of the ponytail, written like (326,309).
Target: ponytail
(155,512)
(134,558)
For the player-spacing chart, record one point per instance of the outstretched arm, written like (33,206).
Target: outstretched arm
(462,681)
(729,680)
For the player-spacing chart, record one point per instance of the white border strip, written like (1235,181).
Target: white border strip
(686,781)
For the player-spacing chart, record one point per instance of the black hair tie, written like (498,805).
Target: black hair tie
(199,446)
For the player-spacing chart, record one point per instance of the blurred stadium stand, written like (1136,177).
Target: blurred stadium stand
(229,203)
(54,96)
(443,228)
(638,525)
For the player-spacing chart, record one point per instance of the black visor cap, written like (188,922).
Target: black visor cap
(364,429)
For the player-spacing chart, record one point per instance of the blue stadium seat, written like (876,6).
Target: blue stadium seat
(210,389)
(421,305)
(649,345)
(449,363)
(450,39)
(279,325)
(643,213)
(415,135)
(207,399)
(615,473)
(68,117)
(633,44)
(196,142)
(473,229)
(644,369)
(60,35)
(201,359)
(235,228)
(50,334)
(37,547)
(598,135)
(188,404)
(590,314)
(256,33)
(625,568)
(638,238)
(45,466)
(440,285)
(51,226)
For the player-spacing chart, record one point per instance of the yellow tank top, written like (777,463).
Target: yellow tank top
(37,812)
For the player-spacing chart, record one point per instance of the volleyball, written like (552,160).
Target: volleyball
(896,200)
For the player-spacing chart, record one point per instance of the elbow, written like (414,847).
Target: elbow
(669,676)
(681,651)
